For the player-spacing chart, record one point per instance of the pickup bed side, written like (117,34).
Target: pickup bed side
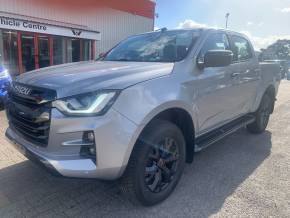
(270,80)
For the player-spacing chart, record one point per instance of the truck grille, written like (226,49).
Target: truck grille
(29,115)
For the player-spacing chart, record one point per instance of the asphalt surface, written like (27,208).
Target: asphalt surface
(243,175)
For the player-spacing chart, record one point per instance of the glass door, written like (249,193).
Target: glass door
(28,52)
(59,50)
(76,50)
(86,49)
(43,51)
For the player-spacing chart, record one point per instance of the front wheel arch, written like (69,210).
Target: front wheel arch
(183,120)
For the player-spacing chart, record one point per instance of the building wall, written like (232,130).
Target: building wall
(114,25)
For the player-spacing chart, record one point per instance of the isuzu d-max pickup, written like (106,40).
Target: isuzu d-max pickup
(140,112)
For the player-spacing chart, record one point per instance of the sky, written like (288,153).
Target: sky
(264,21)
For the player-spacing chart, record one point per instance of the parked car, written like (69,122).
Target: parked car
(5,80)
(143,110)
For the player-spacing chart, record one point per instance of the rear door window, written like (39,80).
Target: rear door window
(241,49)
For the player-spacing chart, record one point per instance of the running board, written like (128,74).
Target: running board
(207,139)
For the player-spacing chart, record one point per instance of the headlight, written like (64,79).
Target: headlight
(4,74)
(87,104)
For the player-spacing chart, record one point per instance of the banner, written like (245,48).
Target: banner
(28,26)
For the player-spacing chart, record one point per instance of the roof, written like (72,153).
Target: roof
(145,8)
(208,29)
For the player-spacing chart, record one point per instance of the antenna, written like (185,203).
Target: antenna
(227,19)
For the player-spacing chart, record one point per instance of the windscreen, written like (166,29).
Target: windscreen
(167,46)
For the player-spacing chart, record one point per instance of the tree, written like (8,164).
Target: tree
(278,50)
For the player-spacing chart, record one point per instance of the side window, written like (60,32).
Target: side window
(217,41)
(241,49)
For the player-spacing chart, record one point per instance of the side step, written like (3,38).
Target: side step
(209,138)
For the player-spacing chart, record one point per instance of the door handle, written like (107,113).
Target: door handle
(234,75)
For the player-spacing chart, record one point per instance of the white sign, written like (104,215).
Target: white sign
(21,25)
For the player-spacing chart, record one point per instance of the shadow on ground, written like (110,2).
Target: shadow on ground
(217,172)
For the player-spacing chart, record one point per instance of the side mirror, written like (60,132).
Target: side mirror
(217,58)
(102,55)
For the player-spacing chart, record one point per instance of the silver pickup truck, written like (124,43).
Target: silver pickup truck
(142,110)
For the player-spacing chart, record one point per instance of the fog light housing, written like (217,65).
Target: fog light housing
(90,137)
(88,149)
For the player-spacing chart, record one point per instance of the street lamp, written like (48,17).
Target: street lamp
(227,19)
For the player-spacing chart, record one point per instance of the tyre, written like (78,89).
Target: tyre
(262,115)
(156,164)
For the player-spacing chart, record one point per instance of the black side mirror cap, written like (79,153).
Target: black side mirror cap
(102,55)
(217,58)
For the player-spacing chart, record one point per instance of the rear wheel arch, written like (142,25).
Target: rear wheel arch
(263,113)
(272,94)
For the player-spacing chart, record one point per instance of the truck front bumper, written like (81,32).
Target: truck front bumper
(115,137)
(29,154)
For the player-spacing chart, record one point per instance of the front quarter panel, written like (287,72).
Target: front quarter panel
(142,102)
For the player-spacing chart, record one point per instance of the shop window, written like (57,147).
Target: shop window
(9,51)
(58,50)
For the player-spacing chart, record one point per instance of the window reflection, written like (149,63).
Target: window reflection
(40,50)
(9,51)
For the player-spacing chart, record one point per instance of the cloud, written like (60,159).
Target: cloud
(264,42)
(285,10)
(261,24)
(258,42)
(191,24)
(250,23)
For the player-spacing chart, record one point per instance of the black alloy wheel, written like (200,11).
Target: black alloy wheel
(162,165)
(156,164)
